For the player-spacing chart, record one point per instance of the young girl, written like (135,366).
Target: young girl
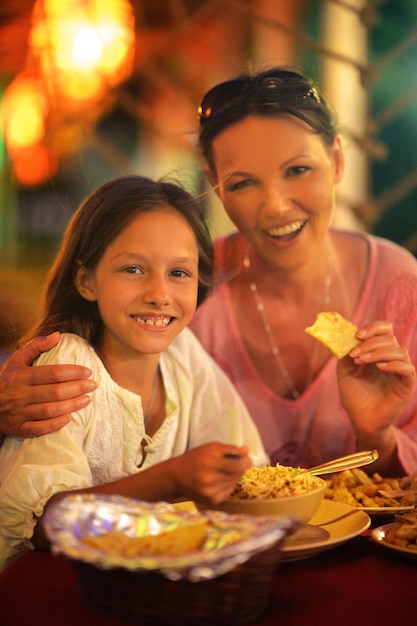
(164,419)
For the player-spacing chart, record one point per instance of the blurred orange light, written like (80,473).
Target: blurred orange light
(78,50)
(73,39)
(81,87)
(26,126)
(34,165)
(24,112)
(87,46)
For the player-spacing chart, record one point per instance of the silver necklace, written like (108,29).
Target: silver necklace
(268,332)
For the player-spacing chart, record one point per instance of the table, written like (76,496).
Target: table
(358,582)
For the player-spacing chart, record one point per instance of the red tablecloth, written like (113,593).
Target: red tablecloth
(357,583)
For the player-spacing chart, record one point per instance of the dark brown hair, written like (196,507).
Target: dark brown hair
(272,93)
(98,220)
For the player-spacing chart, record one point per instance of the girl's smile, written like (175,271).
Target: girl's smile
(145,285)
(154,322)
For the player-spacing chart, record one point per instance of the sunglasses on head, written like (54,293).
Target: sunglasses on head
(266,88)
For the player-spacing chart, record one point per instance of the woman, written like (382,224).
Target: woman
(165,423)
(274,158)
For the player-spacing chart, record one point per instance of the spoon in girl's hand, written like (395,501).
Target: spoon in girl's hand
(351,461)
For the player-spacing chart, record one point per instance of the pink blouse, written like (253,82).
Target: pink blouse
(315,428)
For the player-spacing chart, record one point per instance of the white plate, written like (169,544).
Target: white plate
(379,534)
(333,524)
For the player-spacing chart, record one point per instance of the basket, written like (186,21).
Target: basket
(227,580)
(239,596)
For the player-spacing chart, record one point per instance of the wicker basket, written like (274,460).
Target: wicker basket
(239,596)
(227,580)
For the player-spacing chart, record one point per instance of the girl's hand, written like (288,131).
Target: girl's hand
(209,473)
(375,381)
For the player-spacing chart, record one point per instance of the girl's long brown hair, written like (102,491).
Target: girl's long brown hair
(98,220)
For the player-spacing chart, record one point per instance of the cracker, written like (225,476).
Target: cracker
(180,540)
(335,332)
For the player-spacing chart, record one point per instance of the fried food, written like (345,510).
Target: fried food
(405,534)
(356,488)
(180,540)
(335,332)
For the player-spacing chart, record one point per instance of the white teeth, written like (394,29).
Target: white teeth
(285,230)
(154,322)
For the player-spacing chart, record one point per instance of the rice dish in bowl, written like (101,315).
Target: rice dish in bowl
(275,490)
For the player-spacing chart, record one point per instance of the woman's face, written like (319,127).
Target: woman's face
(276,180)
(145,284)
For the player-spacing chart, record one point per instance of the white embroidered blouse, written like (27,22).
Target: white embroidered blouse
(103,441)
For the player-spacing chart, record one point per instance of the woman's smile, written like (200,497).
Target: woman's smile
(287,232)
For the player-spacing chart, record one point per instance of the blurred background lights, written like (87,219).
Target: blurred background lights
(87,46)
(25,108)
(33,165)
(94,36)
(80,51)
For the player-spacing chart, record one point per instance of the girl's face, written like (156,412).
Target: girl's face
(145,284)
(276,180)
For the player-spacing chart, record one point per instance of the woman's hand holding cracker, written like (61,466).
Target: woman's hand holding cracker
(375,382)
